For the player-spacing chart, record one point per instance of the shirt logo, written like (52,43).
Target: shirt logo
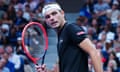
(80,33)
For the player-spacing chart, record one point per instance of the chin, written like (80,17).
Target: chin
(56,26)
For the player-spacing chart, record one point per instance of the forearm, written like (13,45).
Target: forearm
(96,60)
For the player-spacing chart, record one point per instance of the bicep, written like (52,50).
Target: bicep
(87,45)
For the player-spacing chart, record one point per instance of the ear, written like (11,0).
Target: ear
(62,12)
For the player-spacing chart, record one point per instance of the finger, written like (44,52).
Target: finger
(37,66)
(43,65)
(40,70)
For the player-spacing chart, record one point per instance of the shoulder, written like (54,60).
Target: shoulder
(73,26)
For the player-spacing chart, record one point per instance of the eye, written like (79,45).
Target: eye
(47,16)
(54,13)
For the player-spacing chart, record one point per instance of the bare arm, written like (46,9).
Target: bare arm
(87,46)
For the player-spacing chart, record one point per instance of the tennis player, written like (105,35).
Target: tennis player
(74,47)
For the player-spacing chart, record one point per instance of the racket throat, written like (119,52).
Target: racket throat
(43,58)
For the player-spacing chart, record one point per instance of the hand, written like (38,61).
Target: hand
(41,68)
(55,68)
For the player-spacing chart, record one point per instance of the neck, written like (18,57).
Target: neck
(61,26)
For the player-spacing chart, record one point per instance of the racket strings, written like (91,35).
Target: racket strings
(35,41)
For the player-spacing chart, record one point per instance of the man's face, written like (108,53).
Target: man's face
(54,18)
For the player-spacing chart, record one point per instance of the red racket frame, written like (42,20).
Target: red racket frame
(45,36)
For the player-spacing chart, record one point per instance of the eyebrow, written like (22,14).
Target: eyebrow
(52,13)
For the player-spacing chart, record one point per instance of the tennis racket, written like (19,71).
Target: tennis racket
(35,42)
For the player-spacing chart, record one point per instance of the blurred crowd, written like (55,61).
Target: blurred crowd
(14,15)
(99,18)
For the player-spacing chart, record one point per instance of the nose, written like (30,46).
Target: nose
(51,18)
